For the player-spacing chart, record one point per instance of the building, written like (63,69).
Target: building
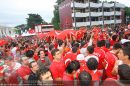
(44,28)
(6,31)
(78,13)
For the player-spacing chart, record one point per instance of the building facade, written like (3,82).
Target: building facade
(78,13)
(6,31)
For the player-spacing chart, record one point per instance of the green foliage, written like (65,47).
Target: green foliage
(56,18)
(127,11)
(34,19)
(59,2)
(22,27)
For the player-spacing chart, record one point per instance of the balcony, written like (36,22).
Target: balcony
(108,5)
(79,14)
(108,13)
(107,21)
(95,14)
(80,24)
(96,22)
(95,5)
(78,5)
(117,13)
(120,5)
(118,21)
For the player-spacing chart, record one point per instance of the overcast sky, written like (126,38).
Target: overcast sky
(14,12)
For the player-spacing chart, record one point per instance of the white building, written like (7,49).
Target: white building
(91,12)
(6,31)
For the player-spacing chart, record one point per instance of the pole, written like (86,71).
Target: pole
(114,14)
(89,13)
(74,15)
(103,14)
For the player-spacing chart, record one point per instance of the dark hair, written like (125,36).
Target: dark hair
(99,44)
(124,73)
(103,42)
(40,51)
(90,49)
(74,65)
(74,49)
(42,72)
(85,78)
(51,47)
(22,48)
(126,51)
(114,37)
(76,44)
(13,44)
(117,46)
(30,64)
(92,64)
(53,52)
(82,44)
(29,53)
(60,42)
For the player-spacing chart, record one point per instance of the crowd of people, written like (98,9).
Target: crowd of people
(100,57)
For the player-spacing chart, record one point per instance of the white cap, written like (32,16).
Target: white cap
(80,57)
(124,41)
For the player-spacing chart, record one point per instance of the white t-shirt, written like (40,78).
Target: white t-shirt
(14,51)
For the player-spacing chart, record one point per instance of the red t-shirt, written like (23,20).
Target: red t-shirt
(35,57)
(83,67)
(96,75)
(105,49)
(100,53)
(57,69)
(67,77)
(68,80)
(70,55)
(112,42)
(109,61)
(50,56)
(23,71)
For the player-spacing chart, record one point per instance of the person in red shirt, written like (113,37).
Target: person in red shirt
(24,70)
(35,56)
(110,60)
(69,75)
(90,53)
(100,53)
(51,47)
(92,64)
(114,40)
(83,67)
(104,46)
(57,66)
(71,55)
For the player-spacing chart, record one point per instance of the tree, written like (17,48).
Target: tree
(127,14)
(22,27)
(56,19)
(34,19)
(59,2)
(127,11)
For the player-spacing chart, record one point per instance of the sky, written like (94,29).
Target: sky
(14,12)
